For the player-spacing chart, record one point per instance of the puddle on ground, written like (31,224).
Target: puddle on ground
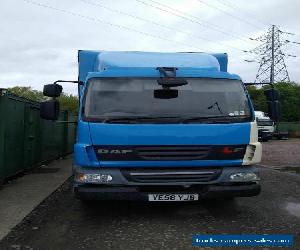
(293,208)
(290,169)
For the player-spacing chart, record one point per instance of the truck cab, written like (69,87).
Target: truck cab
(266,127)
(163,127)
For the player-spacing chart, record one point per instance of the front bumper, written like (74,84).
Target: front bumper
(138,193)
(120,188)
(265,135)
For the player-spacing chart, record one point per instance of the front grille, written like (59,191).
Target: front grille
(173,153)
(158,175)
(169,152)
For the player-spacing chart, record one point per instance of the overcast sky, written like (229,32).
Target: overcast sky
(40,38)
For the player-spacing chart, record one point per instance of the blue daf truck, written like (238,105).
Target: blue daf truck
(161,127)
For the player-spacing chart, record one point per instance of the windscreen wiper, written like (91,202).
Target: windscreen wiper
(137,119)
(214,119)
(124,119)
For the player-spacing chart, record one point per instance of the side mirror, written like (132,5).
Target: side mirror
(165,93)
(274,110)
(272,94)
(52,90)
(49,110)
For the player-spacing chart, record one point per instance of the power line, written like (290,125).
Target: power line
(208,24)
(154,23)
(190,18)
(233,6)
(289,33)
(227,13)
(93,19)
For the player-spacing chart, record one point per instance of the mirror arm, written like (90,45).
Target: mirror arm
(78,82)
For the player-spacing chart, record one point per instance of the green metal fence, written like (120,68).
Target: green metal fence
(26,140)
(289,126)
(292,127)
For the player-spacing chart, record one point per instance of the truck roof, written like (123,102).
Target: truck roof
(97,61)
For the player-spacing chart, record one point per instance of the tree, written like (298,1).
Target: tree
(28,93)
(289,99)
(67,101)
(258,98)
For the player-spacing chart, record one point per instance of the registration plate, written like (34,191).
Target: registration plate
(173,197)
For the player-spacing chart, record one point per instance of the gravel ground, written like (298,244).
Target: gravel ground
(281,153)
(62,222)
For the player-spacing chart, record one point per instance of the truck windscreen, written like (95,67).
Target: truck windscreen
(201,98)
(264,122)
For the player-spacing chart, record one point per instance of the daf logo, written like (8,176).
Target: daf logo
(114,151)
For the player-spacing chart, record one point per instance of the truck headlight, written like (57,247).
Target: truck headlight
(94,178)
(244,177)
